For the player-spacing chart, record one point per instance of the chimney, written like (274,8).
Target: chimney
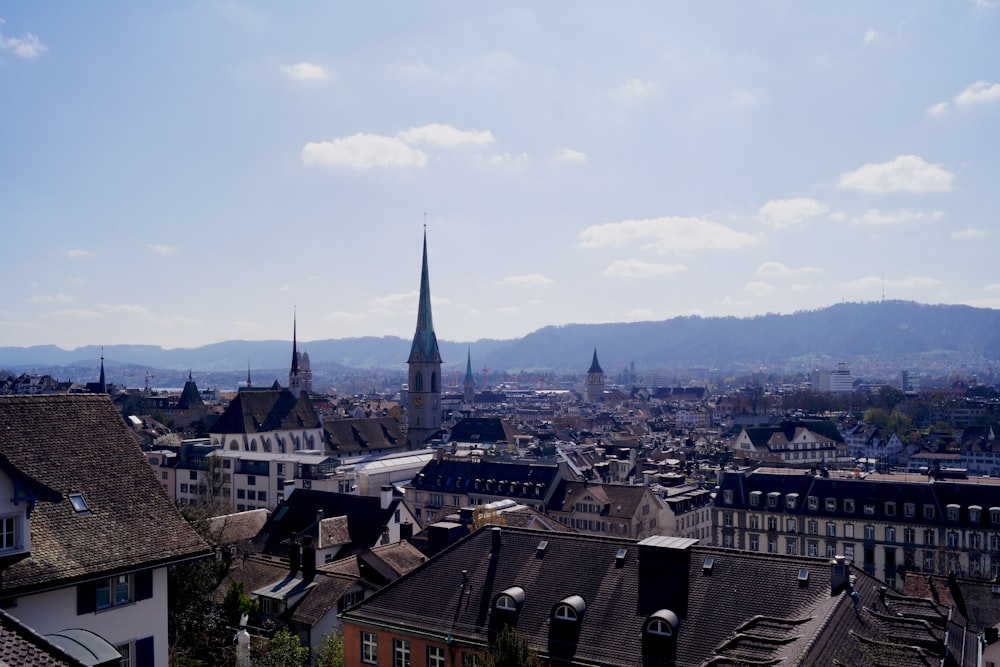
(288,488)
(294,556)
(465,515)
(320,515)
(308,559)
(840,575)
(495,532)
(664,571)
(385,495)
(405,531)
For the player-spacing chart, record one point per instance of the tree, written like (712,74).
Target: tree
(237,604)
(284,650)
(330,652)
(510,650)
(482,516)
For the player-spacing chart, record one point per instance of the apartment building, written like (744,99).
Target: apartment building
(889,525)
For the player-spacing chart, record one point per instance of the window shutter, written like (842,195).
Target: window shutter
(86,598)
(143,585)
(144,652)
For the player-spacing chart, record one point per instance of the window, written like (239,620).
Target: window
(928,511)
(772,545)
(848,530)
(251,480)
(772,523)
(727,496)
(435,656)
(813,548)
(369,648)
(975,541)
(975,513)
(831,504)
(791,547)
(727,541)
(890,508)
(831,529)
(813,502)
(870,533)
(813,527)
(791,525)
(262,495)
(890,534)
(754,522)
(192,474)
(791,500)
(280,469)
(727,519)
(909,509)
(849,505)
(995,515)
(755,498)
(754,543)
(909,535)
(659,627)
(772,499)
(400,653)
(241,494)
(952,512)
(831,550)
(953,539)
(929,536)
(113,591)
(564,612)
(184,488)
(8,532)
(849,551)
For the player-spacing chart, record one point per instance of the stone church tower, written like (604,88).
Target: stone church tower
(424,393)
(299,375)
(595,381)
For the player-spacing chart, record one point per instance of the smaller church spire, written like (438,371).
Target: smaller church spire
(595,367)
(295,352)
(102,386)
(249,383)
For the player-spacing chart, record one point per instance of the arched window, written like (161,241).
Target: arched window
(434,382)
(660,627)
(661,624)
(418,381)
(511,599)
(565,613)
(569,609)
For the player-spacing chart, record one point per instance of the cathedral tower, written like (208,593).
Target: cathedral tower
(424,393)
(595,381)
(469,388)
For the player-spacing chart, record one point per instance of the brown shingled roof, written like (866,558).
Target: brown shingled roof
(79,444)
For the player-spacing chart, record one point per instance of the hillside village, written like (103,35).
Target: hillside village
(846,524)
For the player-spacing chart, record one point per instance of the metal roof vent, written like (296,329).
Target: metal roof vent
(706,567)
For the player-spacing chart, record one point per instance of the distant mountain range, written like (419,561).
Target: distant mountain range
(893,331)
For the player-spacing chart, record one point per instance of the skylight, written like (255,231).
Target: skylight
(542,546)
(803,575)
(620,556)
(79,503)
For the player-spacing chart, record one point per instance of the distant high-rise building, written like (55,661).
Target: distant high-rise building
(595,381)
(424,391)
(840,379)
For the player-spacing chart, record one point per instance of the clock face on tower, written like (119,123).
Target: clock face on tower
(418,401)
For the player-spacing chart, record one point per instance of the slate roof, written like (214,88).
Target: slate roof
(79,444)
(618,500)
(265,410)
(238,527)
(349,436)
(298,514)
(619,594)
(460,475)
(20,646)
(484,430)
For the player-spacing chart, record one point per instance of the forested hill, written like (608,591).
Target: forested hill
(879,330)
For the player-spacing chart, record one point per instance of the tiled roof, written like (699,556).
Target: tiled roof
(232,528)
(265,410)
(361,435)
(460,475)
(620,500)
(298,514)
(79,444)
(620,594)
(485,430)
(20,646)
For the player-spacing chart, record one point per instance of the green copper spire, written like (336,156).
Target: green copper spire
(425,345)
(469,377)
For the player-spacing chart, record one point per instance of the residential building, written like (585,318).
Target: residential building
(659,601)
(890,525)
(867,441)
(88,532)
(796,443)
(622,510)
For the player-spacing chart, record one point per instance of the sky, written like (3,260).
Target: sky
(184,173)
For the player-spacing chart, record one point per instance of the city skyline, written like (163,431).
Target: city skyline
(188,174)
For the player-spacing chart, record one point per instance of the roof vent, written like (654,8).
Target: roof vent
(542,546)
(706,567)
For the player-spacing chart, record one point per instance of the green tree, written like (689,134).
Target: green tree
(510,650)
(284,650)
(330,652)
(236,603)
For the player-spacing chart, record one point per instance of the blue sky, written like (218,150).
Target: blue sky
(184,173)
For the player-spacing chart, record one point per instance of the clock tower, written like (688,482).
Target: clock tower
(424,389)
(595,381)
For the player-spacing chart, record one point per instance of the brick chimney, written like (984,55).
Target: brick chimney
(840,575)
(308,558)
(294,556)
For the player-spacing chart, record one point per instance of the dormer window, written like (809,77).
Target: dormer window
(79,503)
(813,502)
(663,623)
(975,513)
(510,600)
(755,498)
(727,496)
(953,512)
(849,505)
(772,499)
(569,609)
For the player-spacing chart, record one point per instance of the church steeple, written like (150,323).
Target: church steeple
(595,381)
(424,388)
(102,385)
(469,387)
(294,381)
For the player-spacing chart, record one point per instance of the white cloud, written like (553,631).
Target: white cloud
(905,173)
(992,287)
(742,99)
(779,270)
(305,72)
(508,159)
(527,280)
(977,93)
(837,216)
(570,155)
(79,253)
(784,213)
(986,4)
(447,136)
(758,288)
(897,217)
(634,90)
(876,282)
(509,310)
(364,151)
(163,249)
(970,233)
(396,301)
(28,46)
(51,298)
(634,268)
(938,110)
(871,35)
(667,235)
